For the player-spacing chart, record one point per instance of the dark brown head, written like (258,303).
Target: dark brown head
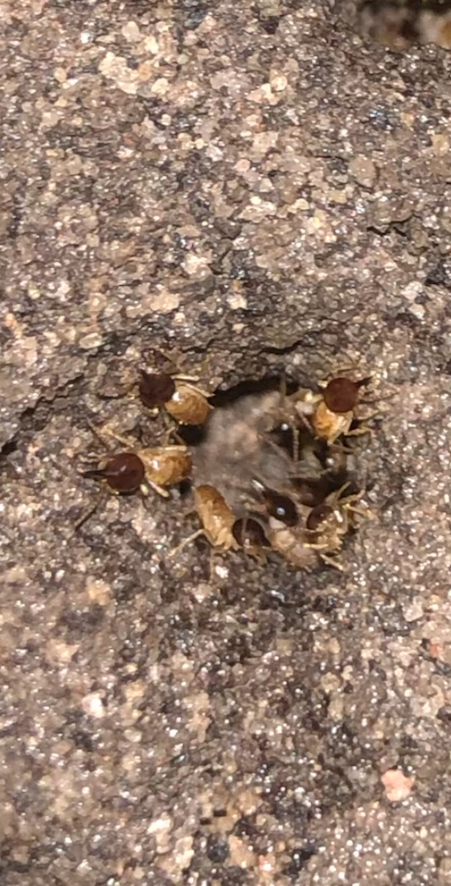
(341,394)
(156,389)
(282,507)
(124,472)
(317,517)
(249,532)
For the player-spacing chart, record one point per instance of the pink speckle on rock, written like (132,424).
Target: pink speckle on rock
(397,786)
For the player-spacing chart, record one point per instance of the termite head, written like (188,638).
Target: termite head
(318,516)
(277,505)
(342,394)
(156,389)
(123,473)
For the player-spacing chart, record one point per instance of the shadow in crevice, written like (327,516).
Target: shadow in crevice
(252,386)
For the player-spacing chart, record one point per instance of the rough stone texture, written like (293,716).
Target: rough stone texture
(252,186)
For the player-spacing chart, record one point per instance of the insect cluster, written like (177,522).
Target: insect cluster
(269,472)
(400,24)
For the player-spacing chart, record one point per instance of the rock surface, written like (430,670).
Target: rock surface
(256,188)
